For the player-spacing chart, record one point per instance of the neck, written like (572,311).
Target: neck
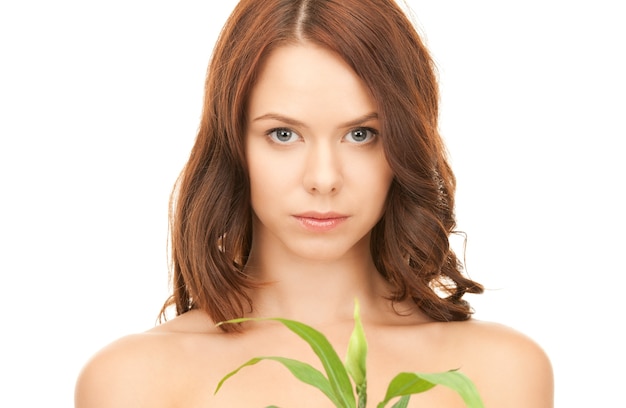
(316,292)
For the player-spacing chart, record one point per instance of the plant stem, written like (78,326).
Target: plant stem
(361,392)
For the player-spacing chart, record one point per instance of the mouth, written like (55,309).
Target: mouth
(320,215)
(320,222)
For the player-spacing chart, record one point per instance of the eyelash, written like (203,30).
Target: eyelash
(373,132)
(272,134)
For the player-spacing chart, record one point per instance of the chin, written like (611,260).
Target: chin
(328,251)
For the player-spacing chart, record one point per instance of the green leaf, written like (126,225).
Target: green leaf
(405,384)
(357,350)
(402,402)
(336,372)
(357,356)
(334,368)
(458,382)
(302,371)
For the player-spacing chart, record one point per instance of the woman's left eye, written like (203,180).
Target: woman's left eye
(361,135)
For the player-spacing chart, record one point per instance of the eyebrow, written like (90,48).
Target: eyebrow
(297,123)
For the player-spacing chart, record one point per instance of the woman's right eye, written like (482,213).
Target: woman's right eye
(283,135)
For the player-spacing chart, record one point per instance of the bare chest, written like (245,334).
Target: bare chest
(268,382)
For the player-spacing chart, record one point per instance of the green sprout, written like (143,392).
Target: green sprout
(342,380)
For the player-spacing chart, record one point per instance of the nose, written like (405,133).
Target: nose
(322,170)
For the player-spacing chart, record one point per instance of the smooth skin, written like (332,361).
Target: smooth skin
(318,179)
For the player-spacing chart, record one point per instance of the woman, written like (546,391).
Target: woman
(318,176)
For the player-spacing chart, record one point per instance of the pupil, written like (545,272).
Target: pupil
(284,135)
(359,135)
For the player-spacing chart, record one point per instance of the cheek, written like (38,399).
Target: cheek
(385,174)
(270,177)
(381,185)
(257,169)
(377,180)
(382,190)
(259,183)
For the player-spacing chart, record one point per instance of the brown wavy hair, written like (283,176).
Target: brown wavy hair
(210,215)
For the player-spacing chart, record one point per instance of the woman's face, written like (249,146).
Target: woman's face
(318,173)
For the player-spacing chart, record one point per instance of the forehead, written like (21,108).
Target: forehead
(302,78)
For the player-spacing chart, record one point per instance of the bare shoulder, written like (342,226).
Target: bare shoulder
(140,369)
(120,374)
(509,368)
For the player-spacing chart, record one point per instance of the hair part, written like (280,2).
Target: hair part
(210,214)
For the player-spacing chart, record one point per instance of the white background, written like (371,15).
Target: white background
(99,105)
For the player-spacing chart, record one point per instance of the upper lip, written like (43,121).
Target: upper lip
(320,215)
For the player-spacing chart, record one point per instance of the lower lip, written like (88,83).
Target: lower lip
(320,224)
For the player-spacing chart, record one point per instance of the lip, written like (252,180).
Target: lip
(320,222)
